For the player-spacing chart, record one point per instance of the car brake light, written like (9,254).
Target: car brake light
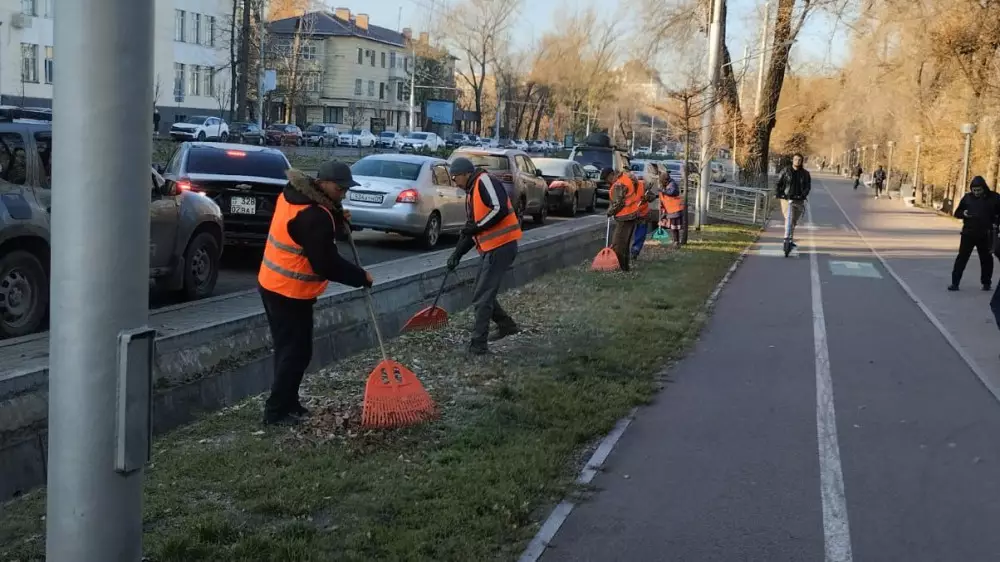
(558,183)
(186,185)
(407,196)
(236,153)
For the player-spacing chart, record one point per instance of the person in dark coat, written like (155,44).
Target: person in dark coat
(878,181)
(857,176)
(792,190)
(980,211)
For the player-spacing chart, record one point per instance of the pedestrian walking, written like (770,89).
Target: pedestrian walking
(300,258)
(492,228)
(857,176)
(624,208)
(672,210)
(792,190)
(650,191)
(878,180)
(980,212)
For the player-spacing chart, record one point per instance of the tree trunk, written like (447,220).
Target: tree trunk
(232,55)
(760,136)
(542,101)
(244,64)
(994,164)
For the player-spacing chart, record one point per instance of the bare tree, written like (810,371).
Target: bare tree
(295,58)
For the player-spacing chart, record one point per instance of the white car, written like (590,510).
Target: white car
(538,146)
(200,128)
(390,139)
(420,141)
(357,137)
(407,194)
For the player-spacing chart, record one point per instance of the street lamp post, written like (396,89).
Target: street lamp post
(864,157)
(968,129)
(875,155)
(918,193)
(714,46)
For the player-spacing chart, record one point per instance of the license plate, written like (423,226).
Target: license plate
(365,197)
(243,205)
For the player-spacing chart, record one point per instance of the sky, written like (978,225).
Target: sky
(821,43)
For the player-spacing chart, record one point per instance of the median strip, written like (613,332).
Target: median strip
(471,486)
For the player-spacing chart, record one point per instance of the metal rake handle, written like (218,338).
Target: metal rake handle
(368,296)
(607,235)
(441,289)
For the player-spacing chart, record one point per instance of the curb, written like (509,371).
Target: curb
(540,542)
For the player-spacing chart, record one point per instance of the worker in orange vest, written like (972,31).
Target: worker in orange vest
(493,229)
(650,191)
(672,210)
(300,258)
(624,207)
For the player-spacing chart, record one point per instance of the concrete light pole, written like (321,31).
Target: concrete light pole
(968,129)
(888,176)
(708,117)
(100,354)
(917,192)
(763,58)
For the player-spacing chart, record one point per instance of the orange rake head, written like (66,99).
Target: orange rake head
(394,397)
(606,260)
(429,318)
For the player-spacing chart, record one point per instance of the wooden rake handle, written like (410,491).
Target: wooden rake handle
(368,297)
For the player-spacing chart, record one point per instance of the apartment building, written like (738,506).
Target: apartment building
(349,70)
(191,55)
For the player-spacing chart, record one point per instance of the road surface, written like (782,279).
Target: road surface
(823,415)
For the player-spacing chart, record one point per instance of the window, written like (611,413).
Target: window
(308,50)
(211,31)
(381,90)
(28,7)
(29,62)
(392,60)
(43,141)
(47,8)
(371,56)
(441,176)
(334,115)
(313,82)
(406,64)
(371,88)
(178,79)
(194,81)
(208,82)
(383,60)
(399,92)
(13,159)
(206,160)
(196,29)
(179,25)
(357,87)
(48,65)
(361,55)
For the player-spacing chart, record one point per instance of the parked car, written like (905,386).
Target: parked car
(456,140)
(718,172)
(321,134)
(675,166)
(523,182)
(246,133)
(476,140)
(243,180)
(407,194)
(568,186)
(200,128)
(282,134)
(360,138)
(520,144)
(390,139)
(419,141)
(538,147)
(597,153)
(645,170)
(185,231)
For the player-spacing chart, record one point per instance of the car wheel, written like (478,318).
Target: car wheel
(542,214)
(299,142)
(319,142)
(432,232)
(201,266)
(24,294)
(573,206)
(201,136)
(260,141)
(224,137)
(593,203)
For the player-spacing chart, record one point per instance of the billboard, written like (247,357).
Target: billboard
(440,112)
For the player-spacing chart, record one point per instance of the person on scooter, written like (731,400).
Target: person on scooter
(792,190)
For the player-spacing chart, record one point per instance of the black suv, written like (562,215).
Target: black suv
(597,153)
(243,180)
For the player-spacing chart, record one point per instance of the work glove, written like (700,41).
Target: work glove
(470,229)
(453,260)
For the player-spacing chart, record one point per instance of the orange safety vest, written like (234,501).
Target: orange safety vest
(633,197)
(643,204)
(671,205)
(507,230)
(285,269)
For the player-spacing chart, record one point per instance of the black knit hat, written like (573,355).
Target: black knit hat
(978,181)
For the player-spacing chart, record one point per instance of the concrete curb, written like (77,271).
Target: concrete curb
(536,548)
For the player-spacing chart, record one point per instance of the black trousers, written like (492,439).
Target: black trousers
(982,244)
(492,268)
(291,322)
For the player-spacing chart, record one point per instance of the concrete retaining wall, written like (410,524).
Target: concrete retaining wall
(216,363)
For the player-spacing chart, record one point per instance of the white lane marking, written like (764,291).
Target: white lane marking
(836,531)
(980,374)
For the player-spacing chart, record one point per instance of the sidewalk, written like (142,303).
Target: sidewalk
(822,415)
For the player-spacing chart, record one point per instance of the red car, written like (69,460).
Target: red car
(569,189)
(281,134)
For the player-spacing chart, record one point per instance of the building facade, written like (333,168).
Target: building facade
(191,56)
(347,71)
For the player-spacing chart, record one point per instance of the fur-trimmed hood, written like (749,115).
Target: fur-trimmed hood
(305,185)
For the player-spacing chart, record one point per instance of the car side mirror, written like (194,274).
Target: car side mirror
(538,172)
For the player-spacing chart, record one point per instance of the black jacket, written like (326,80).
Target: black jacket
(983,212)
(879,176)
(793,184)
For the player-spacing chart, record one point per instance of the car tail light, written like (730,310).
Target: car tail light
(407,196)
(507,177)
(236,153)
(186,185)
(558,183)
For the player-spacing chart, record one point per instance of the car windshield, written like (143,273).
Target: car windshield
(354,132)
(638,167)
(277,127)
(387,135)
(676,168)
(599,159)
(551,167)
(420,136)
(210,160)
(491,162)
(196,120)
(386,168)
(315,129)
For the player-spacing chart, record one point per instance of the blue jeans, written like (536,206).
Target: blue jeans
(640,237)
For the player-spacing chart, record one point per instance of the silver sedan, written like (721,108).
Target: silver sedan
(406,194)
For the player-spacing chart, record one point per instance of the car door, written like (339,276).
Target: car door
(537,185)
(450,199)
(164,211)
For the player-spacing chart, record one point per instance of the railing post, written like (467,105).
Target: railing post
(756,201)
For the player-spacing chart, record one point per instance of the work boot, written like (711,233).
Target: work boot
(502,332)
(987,287)
(953,287)
(300,411)
(479,349)
(282,420)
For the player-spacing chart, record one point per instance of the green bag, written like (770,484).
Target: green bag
(661,234)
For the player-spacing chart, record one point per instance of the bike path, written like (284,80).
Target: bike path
(745,456)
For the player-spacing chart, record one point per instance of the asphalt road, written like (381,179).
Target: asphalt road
(821,416)
(240,266)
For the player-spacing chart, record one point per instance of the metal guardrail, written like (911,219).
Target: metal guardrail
(733,203)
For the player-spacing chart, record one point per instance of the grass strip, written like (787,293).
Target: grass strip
(473,485)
